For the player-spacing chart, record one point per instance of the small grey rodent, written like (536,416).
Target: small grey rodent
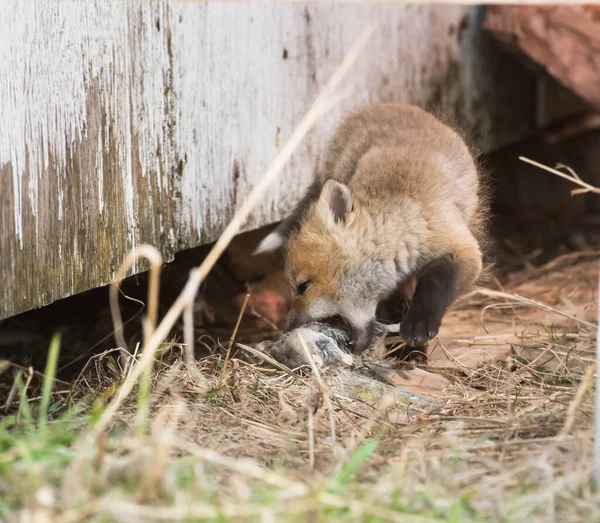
(327,344)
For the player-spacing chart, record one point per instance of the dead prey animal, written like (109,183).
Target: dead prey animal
(328,345)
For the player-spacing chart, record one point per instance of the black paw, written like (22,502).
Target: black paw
(419,327)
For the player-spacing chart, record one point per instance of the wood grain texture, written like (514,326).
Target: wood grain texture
(125,122)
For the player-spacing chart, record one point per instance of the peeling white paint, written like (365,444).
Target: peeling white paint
(50,55)
(100,174)
(17,214)
(122,92)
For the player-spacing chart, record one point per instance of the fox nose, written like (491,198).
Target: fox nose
(363,337)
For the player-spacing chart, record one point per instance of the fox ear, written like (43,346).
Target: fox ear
(278,237)
(335,202)
(270,243)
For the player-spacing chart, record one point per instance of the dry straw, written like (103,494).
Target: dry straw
(597,410)
(584,188)
(572,176)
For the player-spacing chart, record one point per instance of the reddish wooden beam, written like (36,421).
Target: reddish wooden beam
(564,40)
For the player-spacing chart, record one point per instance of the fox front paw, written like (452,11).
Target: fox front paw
(419,327)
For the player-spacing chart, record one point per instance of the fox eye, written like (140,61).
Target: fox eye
(301,289)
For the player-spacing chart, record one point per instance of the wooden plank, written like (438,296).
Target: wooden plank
(564,40)
(148,121)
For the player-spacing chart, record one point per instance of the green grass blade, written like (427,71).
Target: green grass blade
(24,408)
(49,375)
(357,460)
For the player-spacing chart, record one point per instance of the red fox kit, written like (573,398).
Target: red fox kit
(397,197)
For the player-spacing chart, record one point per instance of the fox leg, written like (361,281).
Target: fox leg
(439,284)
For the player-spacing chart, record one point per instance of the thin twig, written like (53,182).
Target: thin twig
(523,299)
(233,334)
(597,406)
(273,362)
(586,187)
(91,348)
(537,271)
(382,407)
(35,372)
(323,390)
(13,390)
(153,256)
(188,332)
(510,386)
(311,439)
(586,383)
(132,359)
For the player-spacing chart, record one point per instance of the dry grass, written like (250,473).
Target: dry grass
(571,176)
(510,440)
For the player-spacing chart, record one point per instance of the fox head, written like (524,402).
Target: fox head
(331,263)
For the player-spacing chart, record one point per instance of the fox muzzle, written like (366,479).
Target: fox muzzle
(363,337)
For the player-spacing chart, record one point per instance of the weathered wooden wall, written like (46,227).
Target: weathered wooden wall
(125,122)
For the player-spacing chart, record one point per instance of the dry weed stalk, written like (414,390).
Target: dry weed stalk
(556,262)
(586,384)
(572,176)
(154,257)
(13,390)
(188,332)
(324,393)
(523,299)
(263,356)
(597,410)
(310,425)
(234,333)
